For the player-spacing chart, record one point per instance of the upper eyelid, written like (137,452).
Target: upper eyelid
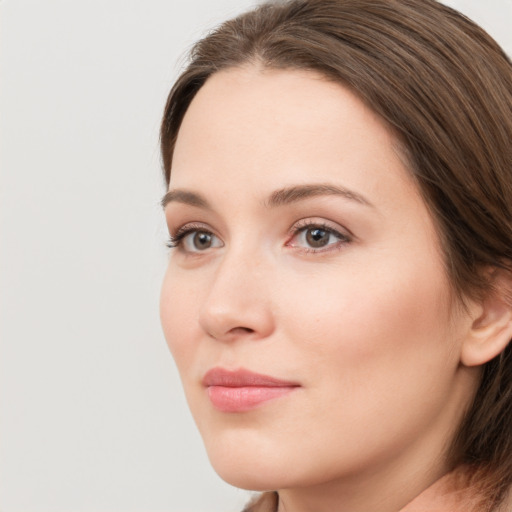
(190,226)
(322,223)
(342,237)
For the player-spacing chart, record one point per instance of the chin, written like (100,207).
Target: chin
(249,465)
(248,478)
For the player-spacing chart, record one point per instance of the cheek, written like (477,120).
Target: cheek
(370,347)
(355,320)
(178,315)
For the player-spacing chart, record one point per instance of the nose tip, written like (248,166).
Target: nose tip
(236,308)
(234,321)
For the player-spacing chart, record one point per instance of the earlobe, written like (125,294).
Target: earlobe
(491,330)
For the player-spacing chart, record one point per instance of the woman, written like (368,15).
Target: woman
(339,295)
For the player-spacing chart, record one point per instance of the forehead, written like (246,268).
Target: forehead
(273,128)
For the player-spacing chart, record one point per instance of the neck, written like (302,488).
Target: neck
(452,492)
(386,493)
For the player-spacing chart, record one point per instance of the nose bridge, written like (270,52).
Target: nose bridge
(238,300)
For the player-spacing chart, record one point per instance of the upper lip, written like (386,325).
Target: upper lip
(242,378)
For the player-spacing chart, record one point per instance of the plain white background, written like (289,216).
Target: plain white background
(92,417)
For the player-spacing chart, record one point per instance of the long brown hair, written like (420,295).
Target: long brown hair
(445,88)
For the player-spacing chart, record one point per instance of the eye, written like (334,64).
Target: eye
(194,240)
(317,238)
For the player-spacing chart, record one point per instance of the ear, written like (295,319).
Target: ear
(491,329)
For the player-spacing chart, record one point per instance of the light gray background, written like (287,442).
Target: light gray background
(92,416)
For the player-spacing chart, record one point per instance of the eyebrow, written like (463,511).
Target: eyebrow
(278,198)
(300,192)
(185,197)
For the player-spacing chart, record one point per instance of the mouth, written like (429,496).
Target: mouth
(243,390)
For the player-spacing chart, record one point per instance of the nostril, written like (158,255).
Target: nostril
(241,330)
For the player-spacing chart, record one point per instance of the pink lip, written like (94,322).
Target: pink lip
(242,390)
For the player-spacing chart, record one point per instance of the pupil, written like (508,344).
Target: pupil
(317,237)
(202,240)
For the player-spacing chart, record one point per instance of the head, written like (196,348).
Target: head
(407,106)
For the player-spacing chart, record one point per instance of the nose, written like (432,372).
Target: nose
(239,302)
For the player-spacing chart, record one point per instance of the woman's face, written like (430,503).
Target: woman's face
(306,303)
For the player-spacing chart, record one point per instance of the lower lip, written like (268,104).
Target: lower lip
(241,399)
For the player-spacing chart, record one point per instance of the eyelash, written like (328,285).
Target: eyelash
(176,240)
(305,225)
